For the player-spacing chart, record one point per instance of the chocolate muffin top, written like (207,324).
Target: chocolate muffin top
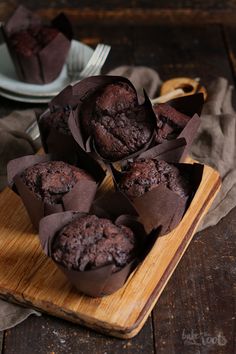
(57,119)
(115,98)
(122,135)
(51,180)
(30,41)
(170,122)
(118,124)
(89,242)
(143,175)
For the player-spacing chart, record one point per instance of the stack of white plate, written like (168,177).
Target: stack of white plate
(11,87)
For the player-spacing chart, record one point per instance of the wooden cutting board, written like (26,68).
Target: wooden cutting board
(28,277)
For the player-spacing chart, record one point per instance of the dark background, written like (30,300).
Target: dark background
(176,38)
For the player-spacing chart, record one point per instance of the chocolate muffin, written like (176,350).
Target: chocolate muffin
(51,180)
(31,40)
(38,50)
(89,242)
(170,122)
(57,119)
(117,123)
(143,175)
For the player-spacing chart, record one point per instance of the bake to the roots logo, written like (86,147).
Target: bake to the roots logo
(203,339)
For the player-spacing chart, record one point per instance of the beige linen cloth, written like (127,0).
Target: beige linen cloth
(214,145)
(14,142)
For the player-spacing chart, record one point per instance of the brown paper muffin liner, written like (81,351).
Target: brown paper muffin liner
(46,65)
(85,90)
(161,208)
(79,198)
(59,145)
(171,150)
(74,94)
(100,281)
(66,146)
(191,106)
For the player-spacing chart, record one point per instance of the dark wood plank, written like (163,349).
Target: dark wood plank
(1,341)
(120,39)
(180,51)
(196,312)
(199,297)
(140,11)
(50,335)
(107,5)
(186,4)
(229,33)
(144,16)
(172,51)
(122,4)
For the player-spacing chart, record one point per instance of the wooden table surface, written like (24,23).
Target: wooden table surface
(196,312)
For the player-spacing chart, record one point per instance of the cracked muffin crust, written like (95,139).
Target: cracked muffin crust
(89,242)
(143,175)
(118,124)
(51,180)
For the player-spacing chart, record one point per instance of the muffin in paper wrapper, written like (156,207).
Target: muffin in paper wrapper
(79,198)
(60,145)
(65,145)
(101,280)
(160,207)
(82,95)
(190,106)
(46,65)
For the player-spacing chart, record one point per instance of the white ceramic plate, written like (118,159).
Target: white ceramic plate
(21,98)
(11,87)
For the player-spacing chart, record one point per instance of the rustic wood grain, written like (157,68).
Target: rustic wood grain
(178,51)
(1,341)
(122,4)
(27,276)
(142,12)
(194,300)
(172,51)
(60,337)
(201,303)
(229,34)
